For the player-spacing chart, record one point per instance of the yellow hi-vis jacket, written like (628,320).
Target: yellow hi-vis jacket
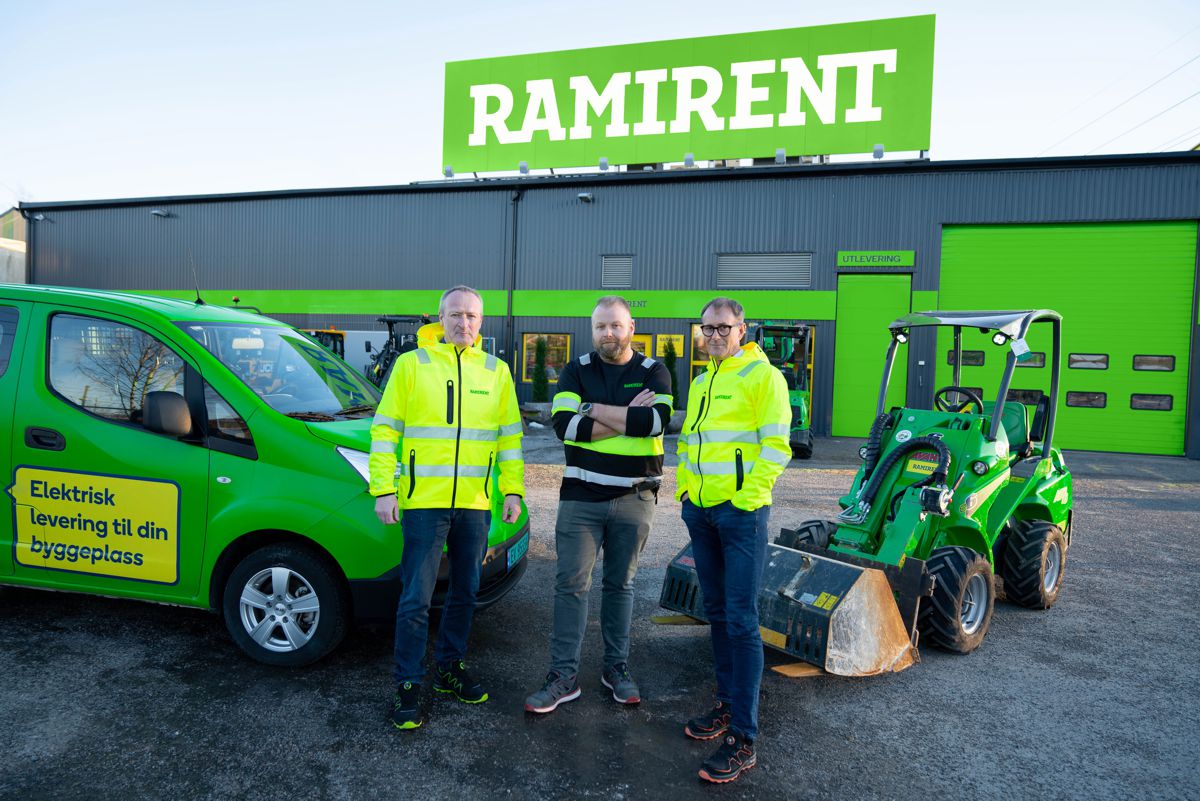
(734,442)
(449,420)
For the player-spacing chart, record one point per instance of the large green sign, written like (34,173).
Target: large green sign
(820,90)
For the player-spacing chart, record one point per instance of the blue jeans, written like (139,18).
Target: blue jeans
(465,533)
(729,546)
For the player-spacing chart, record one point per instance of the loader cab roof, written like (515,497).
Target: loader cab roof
(1012,323)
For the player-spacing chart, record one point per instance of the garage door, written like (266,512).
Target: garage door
(865,306)
(1125,293)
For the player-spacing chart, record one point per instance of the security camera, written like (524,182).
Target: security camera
(586,197)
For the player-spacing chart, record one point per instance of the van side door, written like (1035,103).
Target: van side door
(104,503)
(14,322)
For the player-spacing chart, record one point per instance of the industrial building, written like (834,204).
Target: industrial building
(1110,242)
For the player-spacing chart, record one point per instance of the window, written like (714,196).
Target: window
(1088,361)
(223,421)
(8,331)
(1157,403)
(970,358)
(558,352)
(1087,400)
(1030,397)
(1165,364)
(616,272)
(1036,359)
(108,368)
(764,270)
(641,343)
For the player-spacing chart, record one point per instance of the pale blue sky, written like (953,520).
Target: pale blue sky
(126,98)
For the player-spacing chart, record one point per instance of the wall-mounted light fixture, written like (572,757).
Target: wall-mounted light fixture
(878,151)
(160,213)
(585,197)
(689,160)
(603,164)
(780,155)
(523,168)
(448,171)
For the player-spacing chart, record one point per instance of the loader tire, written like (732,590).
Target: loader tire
(810,532)
(1035,558)
(956,617)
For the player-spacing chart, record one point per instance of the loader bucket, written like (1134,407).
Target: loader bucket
(838,616)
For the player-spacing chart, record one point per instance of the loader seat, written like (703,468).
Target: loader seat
(1015,419)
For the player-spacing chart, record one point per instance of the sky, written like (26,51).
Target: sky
(139,99)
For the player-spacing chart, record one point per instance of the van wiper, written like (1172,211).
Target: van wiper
(359,409)
(312,417)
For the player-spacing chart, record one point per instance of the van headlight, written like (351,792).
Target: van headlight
(358,460)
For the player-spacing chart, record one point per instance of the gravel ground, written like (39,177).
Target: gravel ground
(1095,698)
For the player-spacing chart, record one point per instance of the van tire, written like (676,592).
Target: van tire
(285,618)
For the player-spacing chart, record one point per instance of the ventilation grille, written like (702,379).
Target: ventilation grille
(751,270)
(616,272)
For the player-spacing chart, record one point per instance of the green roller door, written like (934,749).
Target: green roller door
(865,306)
(1125,293)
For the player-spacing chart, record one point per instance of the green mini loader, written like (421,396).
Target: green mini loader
(789,349)
(946,498)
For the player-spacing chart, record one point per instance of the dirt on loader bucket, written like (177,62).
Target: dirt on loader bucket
(866,635)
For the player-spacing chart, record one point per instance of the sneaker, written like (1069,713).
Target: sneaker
(734,755)
(709,725)
(558,689)
(406,709)
(456,680)
(617,679)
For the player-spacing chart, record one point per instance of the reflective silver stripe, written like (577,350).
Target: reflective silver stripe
(512,454)
(510,429)
(573,428)
(450,432)
(384,420)
(773,430)
(585,358)
(423,356)
(566,404)
(772,455)
(683,464)
(711,437)
(656,429)
(447,471)
(648,363)
(667,399)
(490,363)
(606,480)
(724,468)
(382,446)
(749,368)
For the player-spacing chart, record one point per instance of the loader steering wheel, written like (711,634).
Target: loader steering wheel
(944,405)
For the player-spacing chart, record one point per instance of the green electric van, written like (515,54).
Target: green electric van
(190,454)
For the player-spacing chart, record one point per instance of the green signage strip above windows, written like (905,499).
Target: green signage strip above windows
(820,90)
(875,258)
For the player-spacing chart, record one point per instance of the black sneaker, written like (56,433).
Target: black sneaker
(709,725)
(734,755)
(406,708)
(455,679)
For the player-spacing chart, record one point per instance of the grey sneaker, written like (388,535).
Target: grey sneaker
(624,688)
(558,689)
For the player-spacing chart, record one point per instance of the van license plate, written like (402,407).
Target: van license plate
(518,550)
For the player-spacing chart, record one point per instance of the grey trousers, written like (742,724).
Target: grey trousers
(620,527)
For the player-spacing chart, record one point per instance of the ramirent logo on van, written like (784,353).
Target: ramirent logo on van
(481,392)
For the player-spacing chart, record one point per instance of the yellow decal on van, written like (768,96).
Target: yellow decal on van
(91,523)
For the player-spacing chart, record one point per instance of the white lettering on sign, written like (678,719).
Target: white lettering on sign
(697,90)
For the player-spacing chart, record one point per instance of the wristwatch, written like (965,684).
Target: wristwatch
(585,409)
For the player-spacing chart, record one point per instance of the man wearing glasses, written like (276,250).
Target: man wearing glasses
(733,446)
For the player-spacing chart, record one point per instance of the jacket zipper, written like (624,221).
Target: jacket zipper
(449,416)
(696,429)
(740,471)
(487,477)
(412,471)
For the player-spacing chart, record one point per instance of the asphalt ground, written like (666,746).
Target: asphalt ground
(1093,699)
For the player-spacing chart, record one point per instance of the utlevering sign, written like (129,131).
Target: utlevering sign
(827,89)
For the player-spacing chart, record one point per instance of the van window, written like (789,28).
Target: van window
(8,330)
(293,374)
(223,421)
(107,368)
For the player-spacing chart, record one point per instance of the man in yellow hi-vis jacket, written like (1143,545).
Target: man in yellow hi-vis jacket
(448,419)
(733,446)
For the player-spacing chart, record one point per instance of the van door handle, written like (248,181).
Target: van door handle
(46,439)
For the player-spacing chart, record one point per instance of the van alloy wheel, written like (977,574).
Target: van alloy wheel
(279,609)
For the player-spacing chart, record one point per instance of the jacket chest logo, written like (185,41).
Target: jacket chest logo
(480,392)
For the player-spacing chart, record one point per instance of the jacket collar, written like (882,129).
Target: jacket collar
(749,352)
(431,334)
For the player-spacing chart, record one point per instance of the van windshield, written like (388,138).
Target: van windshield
(289,371)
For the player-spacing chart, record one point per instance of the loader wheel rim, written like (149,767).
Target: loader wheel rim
(974,604)
(1053,567)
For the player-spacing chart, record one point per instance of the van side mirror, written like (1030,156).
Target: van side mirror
(167,413)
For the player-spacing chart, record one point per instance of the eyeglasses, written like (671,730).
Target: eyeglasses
(723,329)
